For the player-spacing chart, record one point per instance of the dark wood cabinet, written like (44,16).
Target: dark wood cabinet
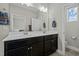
(16,47)
(50,44)
(22,51)
(34,46)
(37,49)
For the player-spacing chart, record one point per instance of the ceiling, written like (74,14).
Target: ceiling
(35,6)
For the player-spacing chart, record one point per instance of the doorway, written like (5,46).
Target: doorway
(71,29)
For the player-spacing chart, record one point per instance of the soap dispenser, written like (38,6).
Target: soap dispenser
(44,27)
(30,27)
(54,24)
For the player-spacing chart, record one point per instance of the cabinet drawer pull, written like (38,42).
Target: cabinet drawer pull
(28,48)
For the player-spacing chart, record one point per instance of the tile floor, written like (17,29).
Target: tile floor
(69,52)
(55,54)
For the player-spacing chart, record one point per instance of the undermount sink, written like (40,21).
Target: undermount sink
(26,33)
(16,33)
(35,33)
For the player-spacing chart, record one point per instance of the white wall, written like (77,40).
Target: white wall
(56,11)
(4,29)
(44,18)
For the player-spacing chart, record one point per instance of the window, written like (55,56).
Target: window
(72,14)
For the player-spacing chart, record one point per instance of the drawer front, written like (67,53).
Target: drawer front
(15,44)
(36,39)
(22,51)
(51,37)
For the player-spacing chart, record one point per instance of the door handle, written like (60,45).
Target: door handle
(28,48)
(30,51)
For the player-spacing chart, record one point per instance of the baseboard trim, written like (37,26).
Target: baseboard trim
(73,48)
(60,52)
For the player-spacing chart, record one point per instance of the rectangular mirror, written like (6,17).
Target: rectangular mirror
(23,16)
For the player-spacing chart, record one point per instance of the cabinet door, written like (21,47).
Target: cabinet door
(50,46)
(23,51)
(37,49)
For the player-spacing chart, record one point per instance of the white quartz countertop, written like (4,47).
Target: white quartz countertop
(21,35)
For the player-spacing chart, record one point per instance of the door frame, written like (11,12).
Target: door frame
(63,31)
(66,18)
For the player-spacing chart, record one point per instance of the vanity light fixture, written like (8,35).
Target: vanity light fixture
(27,4)
(43,9)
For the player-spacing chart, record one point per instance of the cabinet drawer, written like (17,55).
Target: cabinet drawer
(36,39)
(51,37)
(15,44)
(22,51)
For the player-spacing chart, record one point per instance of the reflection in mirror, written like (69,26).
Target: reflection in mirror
(28,18)
(36,24)
(19,23)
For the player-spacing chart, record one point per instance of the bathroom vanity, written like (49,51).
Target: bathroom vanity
(31,45)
